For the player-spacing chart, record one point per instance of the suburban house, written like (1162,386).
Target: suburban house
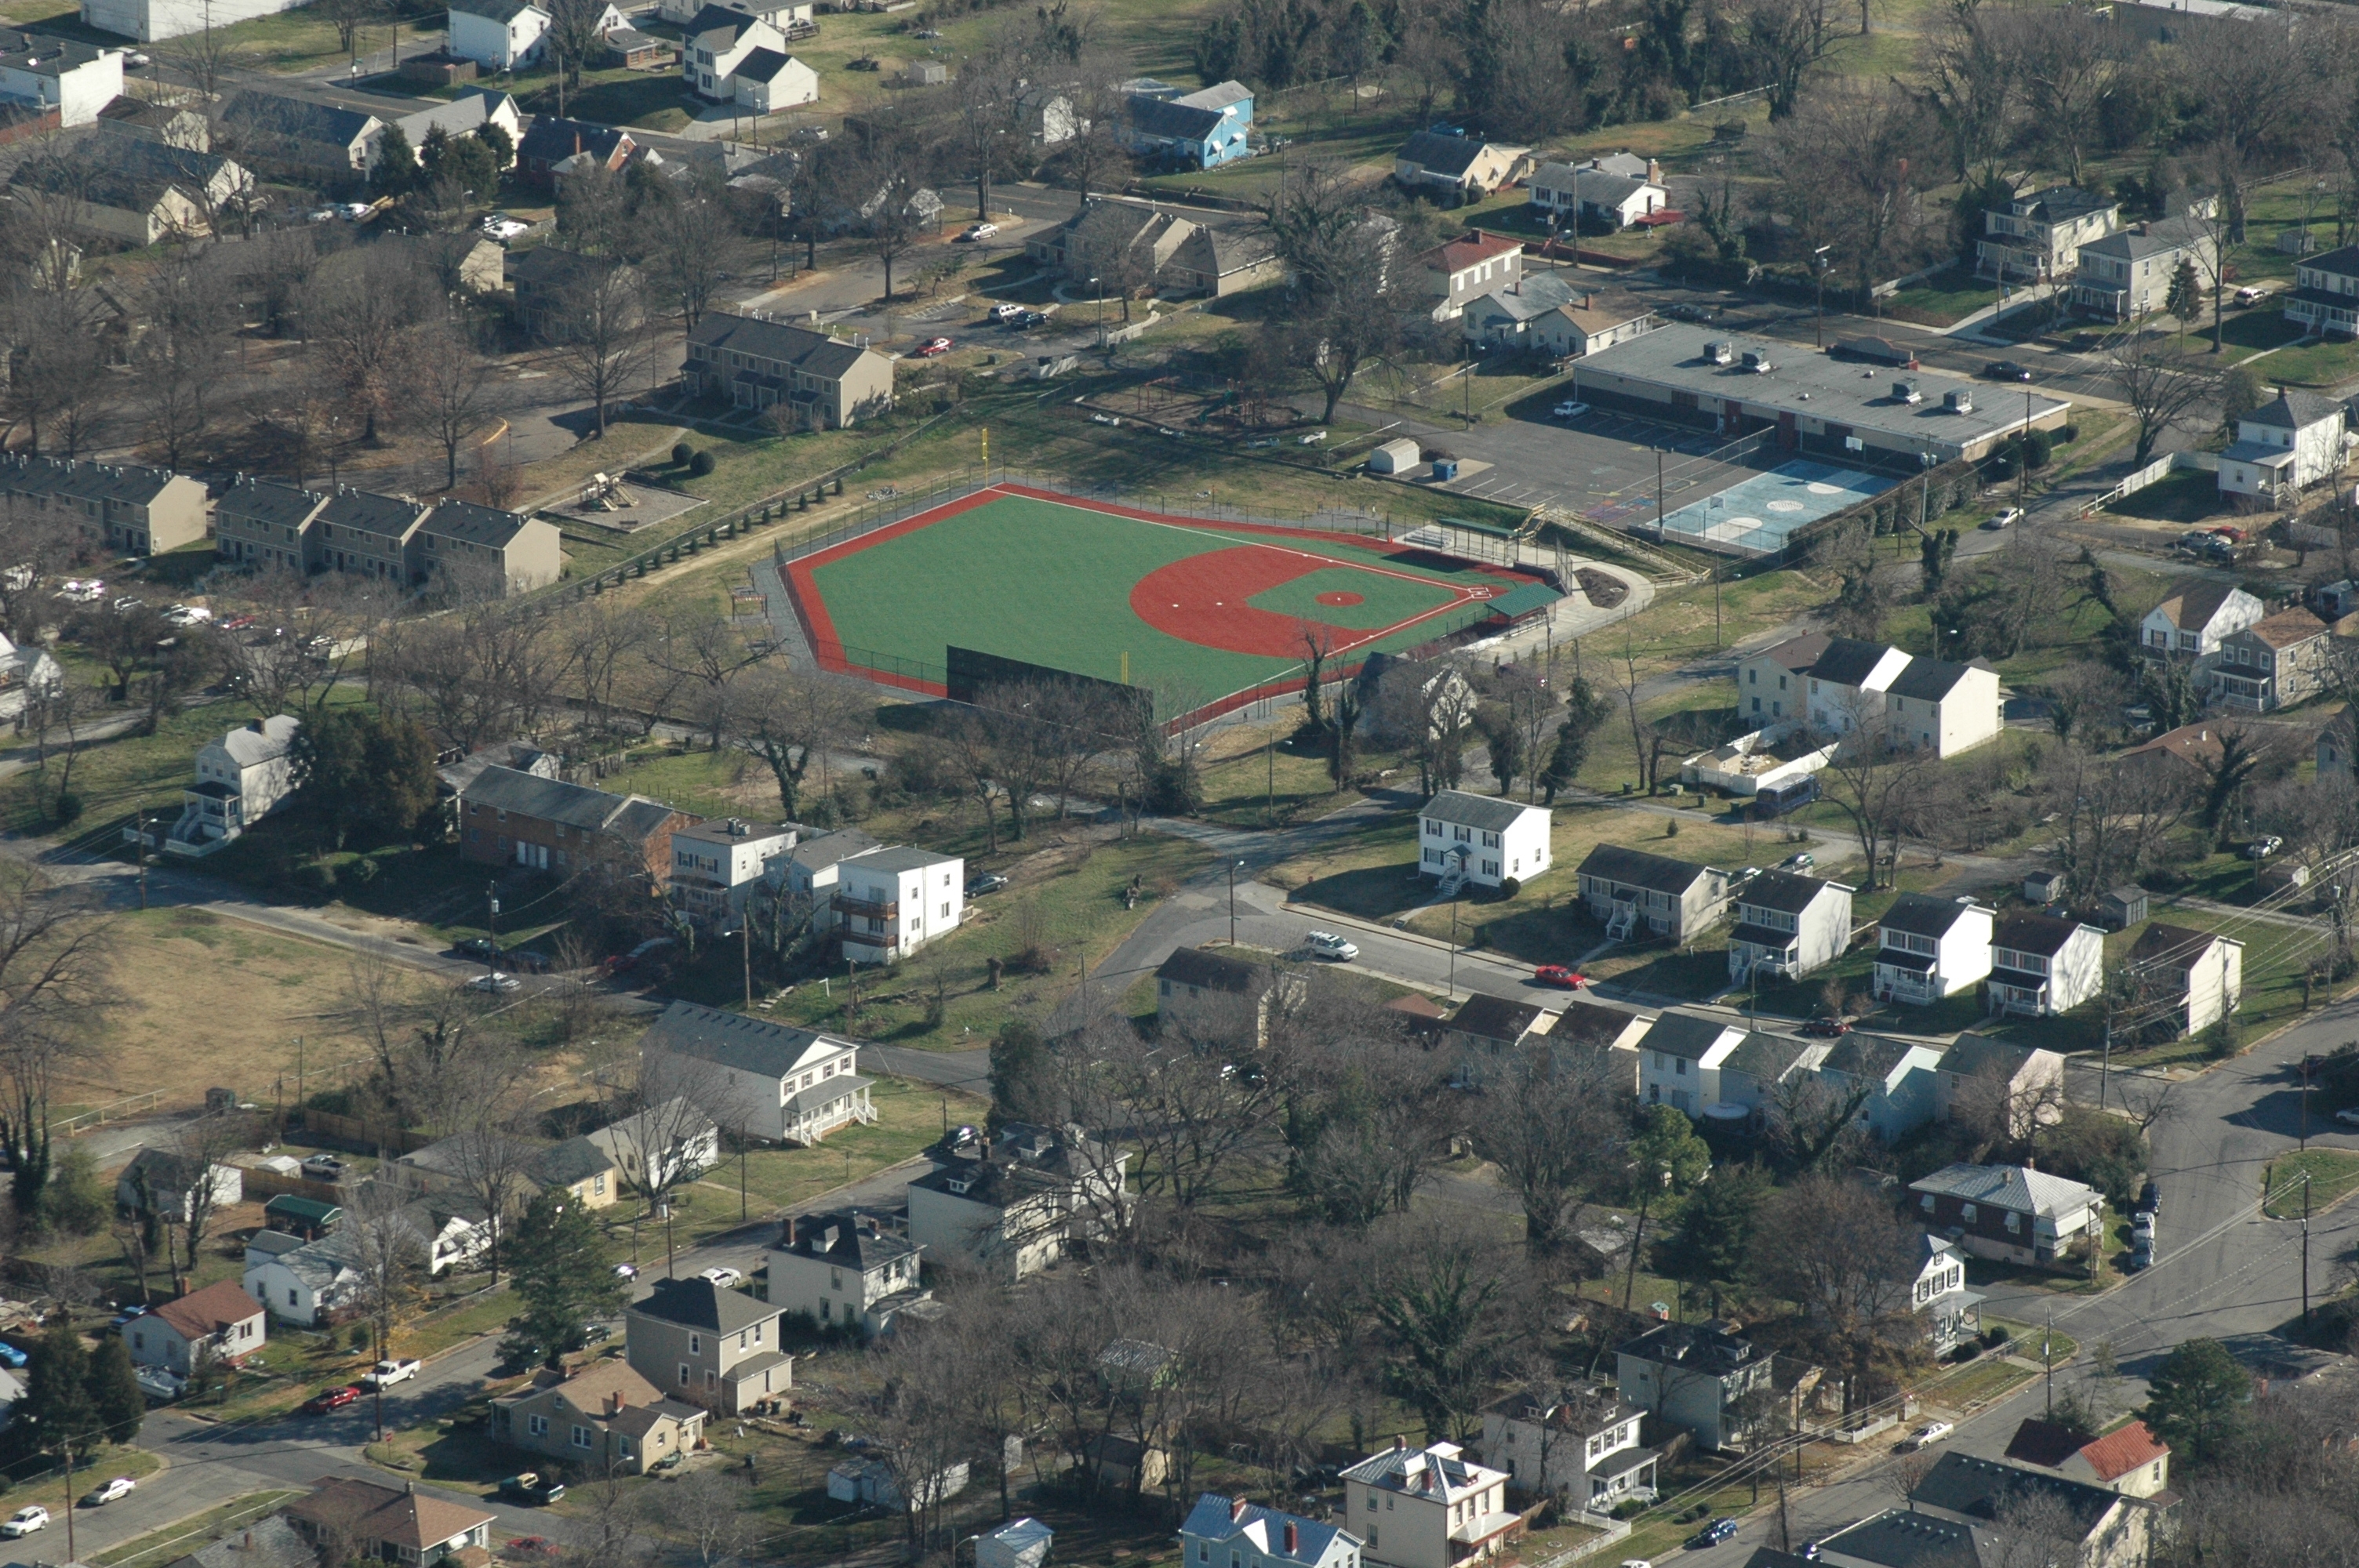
(2039,237)
(311,1285)
(65,76)
(268,1542)
(1488,1028)
(2277,662)
(1481,838)
(2093,1526)
(1680,1056)
(1631,890)
(135,190)
(1428,1507)
(1750,1076)
(1458,272)
(579,1167)
(167,122)
(1590,193)
(2043,965)
(218,1324)
(2193,620)
(1009,1202)
(468,112)
(1582,1446)
(397,1524)
(1981,1070)
(125,509)
(552,145)
(605,1418)
(1587,1036)
(297,136)
(1787,926)
(1196,130)
(1892,1080)
(731,56)
(262,523)
(1511,313)
(1928,947)
(892,902)
(1219,262)
(780,1083)
(844,1270)
(240,778)
(1207,994)
(27,675)
(675,1139)
(511,818)
(1220,1531)
(2283,448)
(1848,682)
(499,35)
(2204,972)
(1598,320)
(2130,1459)
(451,1229)
(2325,297)
(1431,163)
(549,284)
(715,864)
(1939,1299)
(713,1347)
(1771,684)
(2009,1213)
(1133,246)
(159,1181)
(2128,272)
(1944,707)
(831,383)
(1693,1375)
(792,17)
(482,551)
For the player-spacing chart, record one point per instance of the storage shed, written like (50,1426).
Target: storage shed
(1019,1543)
(1393,457)
(928,73)
(2044,887)
(2121,907)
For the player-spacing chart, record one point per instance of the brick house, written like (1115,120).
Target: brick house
(2011,1213)
(511,818)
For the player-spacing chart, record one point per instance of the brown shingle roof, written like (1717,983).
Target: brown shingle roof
(208,1310)
(2287,628)
(369,1512)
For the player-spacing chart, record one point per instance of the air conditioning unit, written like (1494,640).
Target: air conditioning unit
(1757,362)
(1959,402)
(1718,353)
(1905,391)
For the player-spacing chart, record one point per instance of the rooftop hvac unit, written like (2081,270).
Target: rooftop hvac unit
(1757,362)
(1959,402)
(1905,391)
(1718,353)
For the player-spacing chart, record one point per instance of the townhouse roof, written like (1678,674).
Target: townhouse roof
(269,502)
(1217,1518)
(364,511)
(1869,1057)
(1687,1034)
(814,353)
(217,1306)
(1982,1488)
(87,480)
(1765,1057)
(2343,263)
(1487,1017)
(2173,947)
(261,740)
(1214,972)
(267,1543)
(1170,118)
(848,1237)
(1922,914)
(1637,868)
(493,10)
(1797,653)
(1848,661)
(1931,680)
(464,521)
(1591,1023)
(1439,1470)
(700,1303)
(1463,808)
(1893,1539)
(1788,892)
(554,800)
(833,848)
(1975,1055)
(1469,249)
(127,173)
(2194,604)
(2046,934)
(1439,154)
(2292,410)
(733,1040)
(271,114)
(2014,1188)
(371,1511)
(2123,1450)
(2287,628)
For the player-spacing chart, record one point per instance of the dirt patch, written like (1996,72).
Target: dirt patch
(1605,589)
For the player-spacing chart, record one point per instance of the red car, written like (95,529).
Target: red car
(937,346)
(1558,975)
(328,1399)
(1826,1028)
(2231,532)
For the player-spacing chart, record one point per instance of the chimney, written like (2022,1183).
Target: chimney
(614,1403)
(410,1487)
(1399,1443)
(1293,1537)
(1236,1509)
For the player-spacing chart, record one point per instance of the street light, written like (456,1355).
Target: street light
(1819,264)
(1233,866)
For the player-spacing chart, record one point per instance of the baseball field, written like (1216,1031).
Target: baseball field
(1214,612)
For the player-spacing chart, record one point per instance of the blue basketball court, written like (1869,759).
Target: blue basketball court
(1754,514)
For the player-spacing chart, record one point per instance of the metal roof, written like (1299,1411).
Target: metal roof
(2011,1187)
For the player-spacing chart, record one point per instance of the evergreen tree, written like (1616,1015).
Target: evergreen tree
(396,164)
(57,1408)
(2196,1398)
(114,1393)
(501,145)
(560,1277)
(1584,712)
(1716,1230)
(2185,300)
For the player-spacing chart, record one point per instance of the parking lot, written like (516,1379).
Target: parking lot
(1601,465)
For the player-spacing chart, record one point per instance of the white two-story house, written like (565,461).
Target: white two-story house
(1894,1080)
(1481,838)
(892,902)
(2128,274)
(2200,972)
(2283,448)
(1848,682)
(1634,892)
(1428,1508)
(1582,1446)
(1771,684)
(716,866)
(1680,1058)
(846,1269)
(2042,965)
(1938,1298)
(2039,237)
(1787,926)
(1458,272)
(2325,297)
(240,778)
(766,1080)
(2192,621)
(1943,707)
(1927,948)
(734,56)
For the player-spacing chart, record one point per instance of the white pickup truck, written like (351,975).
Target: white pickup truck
(385,1374)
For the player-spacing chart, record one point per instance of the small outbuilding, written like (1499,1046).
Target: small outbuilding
(1019,1543)
(928,73)
(2043,887)
(1394,457)
(2121,908)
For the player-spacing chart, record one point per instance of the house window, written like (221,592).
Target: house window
(1967,1212)
(1928,1201)
(537,1426)
(683,1374)
(580,1437)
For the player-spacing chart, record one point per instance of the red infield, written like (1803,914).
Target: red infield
(1203,600)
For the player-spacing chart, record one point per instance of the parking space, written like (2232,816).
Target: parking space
(1601,465)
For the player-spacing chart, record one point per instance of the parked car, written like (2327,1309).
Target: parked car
(385,1374)
(328,1399)
(495,981)
(1826,1028)
(1801,860)
(532,1487)
(2262,847)
(2007,370)
(933,346)
(12,1358)
(126,1316)
(1327,945)
(160,1385)
(1558,975)
(477,947)
(1003,311)
(501,227)
(1031,319)
(984,882)
(1569,410)
(724,1277)
(2231,532)
(1683,311)
(2004,517)
(2348,1116)
(1713,1534)
(2150,1197)
(975,231)
(1932,1432)
(324,1168)
(627,1271)
(114,1491)
(2253,294)
(26,1520)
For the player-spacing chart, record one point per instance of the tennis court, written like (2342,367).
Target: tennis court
(1209,614)
(1756,514)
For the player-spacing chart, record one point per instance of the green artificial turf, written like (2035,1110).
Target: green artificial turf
(1055,585)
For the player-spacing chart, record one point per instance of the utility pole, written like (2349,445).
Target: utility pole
(745,930)
(299,1072)
(491,902)
(1658,494)
(70,1555)
(1232,868)
(2023,468)
(1716,600)
(2048,1358)
(2305,1247)
(1269,766)
(142,845)
(1453,947)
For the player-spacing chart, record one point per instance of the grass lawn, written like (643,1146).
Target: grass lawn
(2188,495)
(2333,1174)
(1943,300)
(2322,364)
(1980,1381)
(1276,780)
(182,1537)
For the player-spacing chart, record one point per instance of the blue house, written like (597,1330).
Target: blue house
(1897,1076)
(1204,130)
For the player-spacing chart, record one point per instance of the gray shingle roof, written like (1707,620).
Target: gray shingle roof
(1687,1034)
(575,1160)
(814,353)
(1896,1539)
(1214,972)
(268,1542)
(2008,1187)
(491,10)
(1591,1023)
(1963,1484)
(1490,1017)
(1983,1057)
(830,849)
(732,1040)
(902,858)
(2292,410)
(29,475)
(1765,1057)
(2045,935)
(1636,867)
(700,1303)
(1848,660)
(549,139)
(269,503)
(1928,680)
(1785,891)
(387,518)
(1463,809)
(575,806)
(1866,1056)
(464,521)
(275,116)
(1176,122)
(1439,154)
(2343,263)
(1922,914)
(2171,947)
(859,1241)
